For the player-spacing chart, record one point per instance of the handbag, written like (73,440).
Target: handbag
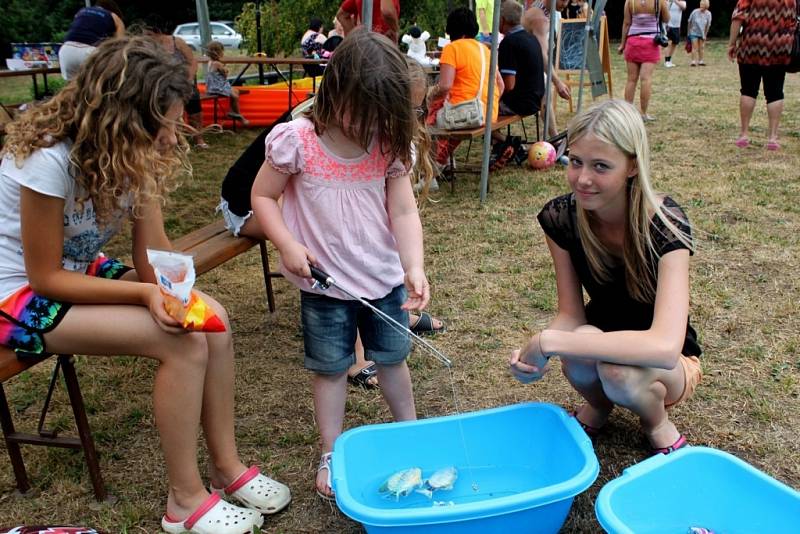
(660,37)
(688,45)
(794,57)
(466,114)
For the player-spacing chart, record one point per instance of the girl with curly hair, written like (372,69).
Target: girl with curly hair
(105,149)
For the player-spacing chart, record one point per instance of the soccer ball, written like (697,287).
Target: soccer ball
(541,155)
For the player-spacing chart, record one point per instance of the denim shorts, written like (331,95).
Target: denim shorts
(330,325)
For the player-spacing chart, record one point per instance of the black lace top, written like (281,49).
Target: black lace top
(611,307)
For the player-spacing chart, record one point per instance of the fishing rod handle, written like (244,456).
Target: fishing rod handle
(323,278)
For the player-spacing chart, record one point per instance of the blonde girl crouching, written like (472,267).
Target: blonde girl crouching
(631,345)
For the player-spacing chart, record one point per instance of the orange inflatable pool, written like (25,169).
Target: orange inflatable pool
(261,106)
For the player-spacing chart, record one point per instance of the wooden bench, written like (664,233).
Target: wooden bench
(215,100)
(469,134)
(211,246)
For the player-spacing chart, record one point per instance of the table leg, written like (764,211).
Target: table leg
(291,79)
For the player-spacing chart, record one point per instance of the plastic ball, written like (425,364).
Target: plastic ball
(541,155)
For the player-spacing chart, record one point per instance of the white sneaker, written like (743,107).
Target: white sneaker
(669,64)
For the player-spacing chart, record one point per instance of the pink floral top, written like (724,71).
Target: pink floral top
(336,207)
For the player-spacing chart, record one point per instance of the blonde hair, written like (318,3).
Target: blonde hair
(620,125)
(112,112)
(215,50)
(423,168)
(705,3)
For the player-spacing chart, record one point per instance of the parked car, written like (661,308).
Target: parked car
(221,31)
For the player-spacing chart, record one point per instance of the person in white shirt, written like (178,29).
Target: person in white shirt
(676,8)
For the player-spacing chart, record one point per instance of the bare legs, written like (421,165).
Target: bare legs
(193,384)
(630,82)
(646,86)
(235,111)
(670,49)
(642,390)
(642,73)
(746,107)
(774,111)
(196,122)
(330,393)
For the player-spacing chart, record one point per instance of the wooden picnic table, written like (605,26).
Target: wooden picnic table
(273,62)
(44,71)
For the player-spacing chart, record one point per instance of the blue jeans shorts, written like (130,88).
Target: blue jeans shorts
(330,326)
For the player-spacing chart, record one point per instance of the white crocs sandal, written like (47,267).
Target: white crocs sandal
(257,492)
(215,516)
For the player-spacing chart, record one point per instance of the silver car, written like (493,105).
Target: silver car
(221,31)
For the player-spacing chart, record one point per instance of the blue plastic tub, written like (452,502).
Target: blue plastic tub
(697,487)
(519,468)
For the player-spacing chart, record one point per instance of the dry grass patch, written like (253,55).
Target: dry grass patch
(493,284)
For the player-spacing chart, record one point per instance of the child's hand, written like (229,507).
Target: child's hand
(155,303)
(419,291)
(529,364)
(296,257)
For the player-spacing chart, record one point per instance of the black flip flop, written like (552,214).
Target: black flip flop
(363,376)
(424,326)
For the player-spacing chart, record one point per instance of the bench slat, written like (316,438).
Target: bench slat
(205,233)
(217,250)
(501,122)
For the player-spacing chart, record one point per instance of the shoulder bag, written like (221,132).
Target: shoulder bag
(467,114)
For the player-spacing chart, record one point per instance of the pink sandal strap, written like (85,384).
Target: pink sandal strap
(243,479)
(679,444)
(207,505)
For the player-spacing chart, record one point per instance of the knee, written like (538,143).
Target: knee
(193,350)
(621,383)
(579,371)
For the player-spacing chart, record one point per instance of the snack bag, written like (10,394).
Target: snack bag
(175,276)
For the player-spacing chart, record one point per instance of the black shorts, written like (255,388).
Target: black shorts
(192,106)
(674,35)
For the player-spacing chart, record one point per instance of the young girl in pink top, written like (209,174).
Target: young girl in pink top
(348,208)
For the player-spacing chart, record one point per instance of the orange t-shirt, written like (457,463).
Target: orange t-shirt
(462,55)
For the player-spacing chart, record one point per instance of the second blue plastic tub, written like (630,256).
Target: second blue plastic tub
(697,487)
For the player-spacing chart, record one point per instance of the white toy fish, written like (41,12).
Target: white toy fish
(443,479)
(402,483)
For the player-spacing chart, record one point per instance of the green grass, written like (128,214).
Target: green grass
(492,281)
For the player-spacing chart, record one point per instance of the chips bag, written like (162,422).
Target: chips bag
(175,276)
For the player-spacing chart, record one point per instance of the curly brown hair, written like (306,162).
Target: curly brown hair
(112,113)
